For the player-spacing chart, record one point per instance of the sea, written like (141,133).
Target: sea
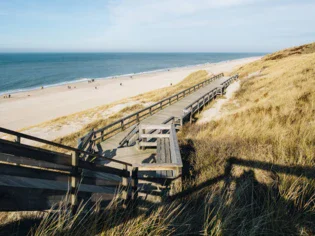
(27,71)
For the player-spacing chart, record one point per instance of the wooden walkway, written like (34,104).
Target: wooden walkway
(145,156)
(131,154)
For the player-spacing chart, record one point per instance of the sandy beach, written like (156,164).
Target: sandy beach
(33,107)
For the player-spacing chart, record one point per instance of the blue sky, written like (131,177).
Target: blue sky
(155,25)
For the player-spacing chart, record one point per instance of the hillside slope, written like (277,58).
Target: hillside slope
(269,144)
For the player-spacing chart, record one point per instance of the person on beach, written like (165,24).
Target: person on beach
(120,84)
(42,87)
(95,87)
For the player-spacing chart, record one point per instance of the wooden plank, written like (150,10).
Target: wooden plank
(30,162)
(163,157)
(85,140)
(156,166)
(154,135)
(22,171)
(35,153)
(101,168)
(30,199)
(169,173)
(158,155)
(134,130)
(175,152)
(148,144)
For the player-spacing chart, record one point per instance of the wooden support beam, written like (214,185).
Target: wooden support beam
(134,184)
(74,181)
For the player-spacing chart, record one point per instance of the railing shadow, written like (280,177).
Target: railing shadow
(258,199)
(253,195)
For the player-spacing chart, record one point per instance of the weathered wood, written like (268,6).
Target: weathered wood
(134,184)
(127,138)
(151,126)
(159,155)
(168,156)
(35,153)
(159,104)
(74,180)
(32,199)
(148,144)
(163,156)
(156,166)
(31,162)
(85,140)
(102,168)
(154,135)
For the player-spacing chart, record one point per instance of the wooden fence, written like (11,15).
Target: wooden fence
(88,141)
(200,102)
(45,177)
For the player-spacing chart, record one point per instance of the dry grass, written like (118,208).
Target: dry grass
(275,125)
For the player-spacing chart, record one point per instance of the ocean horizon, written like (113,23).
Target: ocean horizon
(27,71)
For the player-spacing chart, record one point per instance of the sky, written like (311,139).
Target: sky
(155,25)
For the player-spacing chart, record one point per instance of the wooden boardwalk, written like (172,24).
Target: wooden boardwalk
(131,154)
(144,155)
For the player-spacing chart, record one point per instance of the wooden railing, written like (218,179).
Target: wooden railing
(66,173)
(200,102)
(109,130)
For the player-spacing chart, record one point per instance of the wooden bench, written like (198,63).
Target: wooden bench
(163,155)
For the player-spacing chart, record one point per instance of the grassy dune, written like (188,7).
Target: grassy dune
(270,137)
(250,173)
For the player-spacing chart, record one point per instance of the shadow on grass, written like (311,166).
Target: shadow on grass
(250,200)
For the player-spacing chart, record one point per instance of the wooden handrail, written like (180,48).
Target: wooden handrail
(26,136)
(160,103)
(213,90)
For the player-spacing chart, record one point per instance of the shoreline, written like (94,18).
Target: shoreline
(82,80)
(25,109)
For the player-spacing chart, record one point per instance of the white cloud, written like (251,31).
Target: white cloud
(127,12)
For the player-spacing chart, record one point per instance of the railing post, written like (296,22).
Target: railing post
(134,184)
(102,135)
(18,139)
(74,181)
(138,118)
(150,109)
(191,115)
(178,182)
(161,105)
(125,184)
(122,125)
